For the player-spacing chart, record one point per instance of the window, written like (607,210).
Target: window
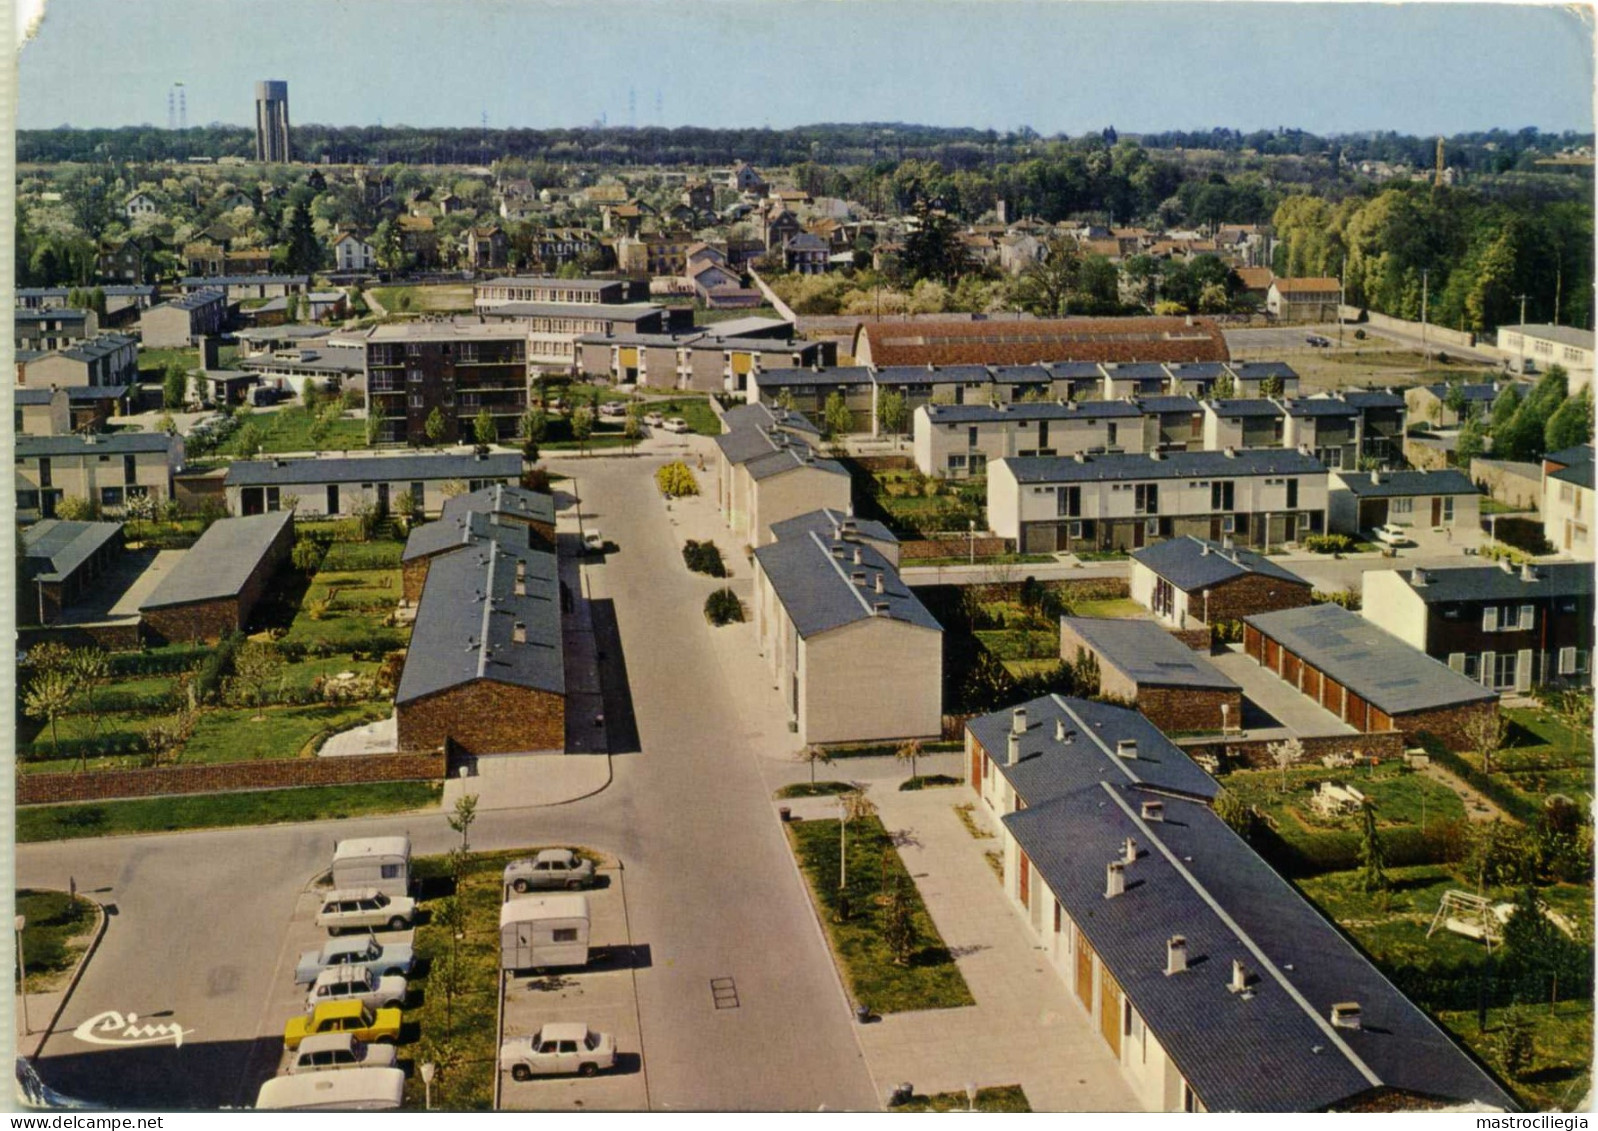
(1292,493)
(1223,495)
(565,934)
(27,500)
(1528,617)
(416,494)
(416,400)
(1229,524)
(1448,508)
(1456,661)
(1504,668)
(956,463)
(1472,666)
(110,496)
(1401,506)
(1574,661)
(130,469)
(1147,500)
(1489,619)
(414,376)
(971,437)
(390,871)
(1069,502)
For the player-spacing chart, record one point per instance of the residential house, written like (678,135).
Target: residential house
(1191,584)
(1379,426)
(744,178)
(1256,283)
(1328,426)
(106,361)
(1509,627)
(700,196)
(121,261)
(1263,379)
(351,253)
(1195,378)
(842,526)
(770,472)
(778,226)
(1184,948)
(43,411)
(118,297)
(1440,500)
(1304,300)
(1366,676)
(655,253)
(1123,502)
(1175,687)
(487,248)
(959,441)
(1134,379)
(1567,501)
(321,487)
(457,368)
(809,389)
(104,470)
(1539,346)
(418,237)
(1020,251)
(140,204)
(239,287)
(216,584)
(182,321)
(52,327)
(60,563)
(855,654)
(1171,424)
(524,519)
(1250,423)
(1428,404)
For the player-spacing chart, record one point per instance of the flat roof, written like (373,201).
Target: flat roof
(217,566)
(634,312)
(1381,669)
(450,329)
(1149,655)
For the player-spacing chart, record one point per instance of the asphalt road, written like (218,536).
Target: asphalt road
(202,919)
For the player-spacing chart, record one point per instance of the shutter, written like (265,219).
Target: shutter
(1528,616)
(1489,619)
(1456,660)
(1489,661)
(1523,668)
(1567,661)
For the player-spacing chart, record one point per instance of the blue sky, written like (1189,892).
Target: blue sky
(1417,68)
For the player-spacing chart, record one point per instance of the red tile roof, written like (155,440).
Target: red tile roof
(1029,341)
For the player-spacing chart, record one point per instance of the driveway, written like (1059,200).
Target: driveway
(1275,703)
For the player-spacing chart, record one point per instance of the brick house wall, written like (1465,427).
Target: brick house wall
(1187,708)
(484,717)
(1244,596)
(211,620)
(227,777)
(1447,724)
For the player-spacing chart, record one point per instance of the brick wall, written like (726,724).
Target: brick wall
(885,463)
(224,777)
(1186,708)
(1247,595)
(413,575)
(1447,724)
(921,549)
(1197,639)
(204,620)
(113,636)
(484,717)
(1256,751)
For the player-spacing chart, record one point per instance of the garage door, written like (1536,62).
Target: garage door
(1110,1010)
(1084,971)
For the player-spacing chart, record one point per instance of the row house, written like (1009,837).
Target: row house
(1342,430)
(239,287)
(44,411)
(105,470)
(1567,501)
(52,327)
(806,391)
(555,330)
(1437,500)
(183,320)
(959,441)
(59,563)
(655,254)
(107,361)
(548,289)
(213,589)
(327,487)
(457,368)
(1509,627)
(1122,502)
(704,360)
(1191,583)
(118,296)
(770,472)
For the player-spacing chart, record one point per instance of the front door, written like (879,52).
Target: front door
(251,501)
(1137,533)
(332,498)
(1437,511)
(976,769)
(382,499)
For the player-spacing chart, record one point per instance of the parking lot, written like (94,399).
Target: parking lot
(601,996)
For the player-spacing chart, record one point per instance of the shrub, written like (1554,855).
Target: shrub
(1224,632)
(217,665)
(362,555)
(1328,543)
(703,557)
(676,481)
(1347,598)
(723,607)
(1359,335)
(306,556)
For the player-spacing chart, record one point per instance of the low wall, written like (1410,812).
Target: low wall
(885,463)
(923,549)
(227,777)
(1256,751)
(1197,639)
(113,636)
(1435,334)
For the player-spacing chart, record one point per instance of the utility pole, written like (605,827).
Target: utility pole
(1342,281)
(1522,299)
(1424,283)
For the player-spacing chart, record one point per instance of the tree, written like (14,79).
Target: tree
(1288,752)
(1372,857)
(89,669)
(853,805)
(785,400)
(434,426)
(302,252)
(531,428)
(839,420)
(1504,406)
(812,754)
(174,386)
(633,430)
(1516,1045)
(1486,730)
(893,412)
(899,933)
(48,697)
(1271,387)
(1044,287)
(1454,399)
(582,422)
(1470,443)
(255,666)
(74,508)
(1223,388)
(483,428)
(248,441)
(933,250)
(464,815)
(1571,423)
(909,751)
(165,424)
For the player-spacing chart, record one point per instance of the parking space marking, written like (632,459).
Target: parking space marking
(724,993)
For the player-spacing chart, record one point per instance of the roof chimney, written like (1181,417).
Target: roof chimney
(1376,476)
(521,578)
(857,558)
(1175,955)
(1345,1015)
(1507,566)
(880,609)
(1012,750)
(1080,457)
(1126,748)
(1129,851)
(1527,573)
(859,578)
(879,587)
(1231,453)
(1018,721)
(1156,455)
(1114,879)
(1154,810)
(518,633)
(1059,730)
(1418,578)
(1204,549)
(1239,981)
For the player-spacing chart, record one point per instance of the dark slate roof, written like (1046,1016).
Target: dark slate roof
(466,618)
(106,443)
(1271,1048)
(767,442)
(118,290)
(92,349)
(1147,654)
(758,345)
(1073,370)
(1492,583)
(1580,453)
(813,576)
(97,392)
(369,469)
(829,523)
(1246,406)
(1377,666)
(195,299)
(1578,473)
(790,459)
(1319,406)
(1170,465)
(1035,374)
(34,396)
(940,375)
(1051,767)
(1167,404)
(533,506)
(1023,410)
(645,340)
(1374,398)
(323,359)
(842,375)
(55,548)
(1407,484)
(218,565)
(1259,370)
(766,416)
(49,314)
(603,311)
(1484,393)
(454,531)
(1192,564)
(1136,371)
(1196,370)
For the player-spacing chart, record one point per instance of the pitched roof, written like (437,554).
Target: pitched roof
(369,469)
(1147,654)
(55,548)
(1373,398)
(502,499)
(1256,278)
(1260,370)
(1192,564)
(1025,410)
(761,416)
(1493,583)
(106,443)
(830,523)
(1318,406)
(220,562)
(466,623)
(841,375)
(1579,474)
(1308,285)
(194,300)
(1580,453)
(1380,668)
(1168,465)
(1245,406)
(1407,484)
(1564,335)
(822,587)
(938,375)
(1023,341)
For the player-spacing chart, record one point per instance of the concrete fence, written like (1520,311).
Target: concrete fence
(1256,751)
(1434,333)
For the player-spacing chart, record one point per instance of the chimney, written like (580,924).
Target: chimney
(1175,955)
(859,578)
(1345,1015)
(1080,457)
(1155,455)
(1126,748)
(1018,721)
(1507,566)
(1231,453)
(1114,879)
(1012,751)
(1239,981)
(518,633)
(1129,851)
(521,578)
(1418,578)
(857,559)
(1376,476)
(1204,550)
(879,587)
(880,609)
(1527,573)
(1059,730)
(1154,810)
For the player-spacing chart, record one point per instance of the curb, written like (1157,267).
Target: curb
(72,982)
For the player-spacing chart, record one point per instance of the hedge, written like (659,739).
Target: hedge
(1511,802)
(1439,843)
(168,661)
(362,555)
(703,557)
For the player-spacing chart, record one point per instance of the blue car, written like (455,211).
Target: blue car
(379,958)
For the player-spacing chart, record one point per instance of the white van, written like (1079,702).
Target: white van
(547,931)
(350,1089)
(381,862)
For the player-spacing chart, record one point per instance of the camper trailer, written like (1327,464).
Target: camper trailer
(349,1089)
(380,862)
(548,931)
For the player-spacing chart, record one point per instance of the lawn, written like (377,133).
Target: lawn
(57,932)
(930,979)
(1399,794)
(1562,1042)
(1009,1097)
(1544,755)
(345,610)
(445,298)
(288,429)
(912,503)
(220,810)
(695,410)
(814,789)
(244,735)
(1114,607)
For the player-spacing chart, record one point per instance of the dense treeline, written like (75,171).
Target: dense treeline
(1490,151)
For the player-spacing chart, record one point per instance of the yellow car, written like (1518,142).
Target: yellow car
(368,1024)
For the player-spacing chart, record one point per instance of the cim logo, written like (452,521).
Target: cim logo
(113,1028)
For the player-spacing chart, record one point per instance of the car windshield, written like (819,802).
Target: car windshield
(591,1042)
(380,900)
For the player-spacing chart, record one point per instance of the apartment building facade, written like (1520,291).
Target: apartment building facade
(456,368)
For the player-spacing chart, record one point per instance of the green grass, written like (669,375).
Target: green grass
(931,979)
(1021,643)
(153,363)
(359,601)
(814,789)
(1102,555)
(1542,755)
(1114,607)
(928,781)
(706,317)
(424,299)
(57,932)
(1494,506)
(888,749)
(1561,1068)
(1009,1097)
(696,411)
(985,559)
(1396,790)
(244,735)
(288,429)
(220,810)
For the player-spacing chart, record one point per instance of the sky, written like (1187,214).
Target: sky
(1139,65)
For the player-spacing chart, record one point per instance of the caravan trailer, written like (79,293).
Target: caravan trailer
(543,932)
(349,1089)
(380,862)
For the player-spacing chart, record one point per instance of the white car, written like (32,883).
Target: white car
(613,408)
(558,1049)
(593,542)
(654,419)
(676,424)
(1391,535)
(357,983)
(365,909)
(327,1051)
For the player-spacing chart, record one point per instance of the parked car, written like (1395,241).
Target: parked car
(343,1017)
(558,1049)
(356,983)
(593,542)
(364,908)
(1391,535)
(328,1051)
(379,958)
(551,868)
(654,419)
(1317,341)
(613,408)
(676,424)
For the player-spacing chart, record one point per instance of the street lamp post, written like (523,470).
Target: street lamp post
(971,526)
(427,1071)
(22,973)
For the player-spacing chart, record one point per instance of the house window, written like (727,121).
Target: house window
(1489,619)
(1147,500)
(27,500)
(1504,668)
(1448,509)
(1528,617)
(1068,502)
(1401,506)
(1222,495)
(956,463)
(130,469)
(111,497)
(1292,493)
(1110,432)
